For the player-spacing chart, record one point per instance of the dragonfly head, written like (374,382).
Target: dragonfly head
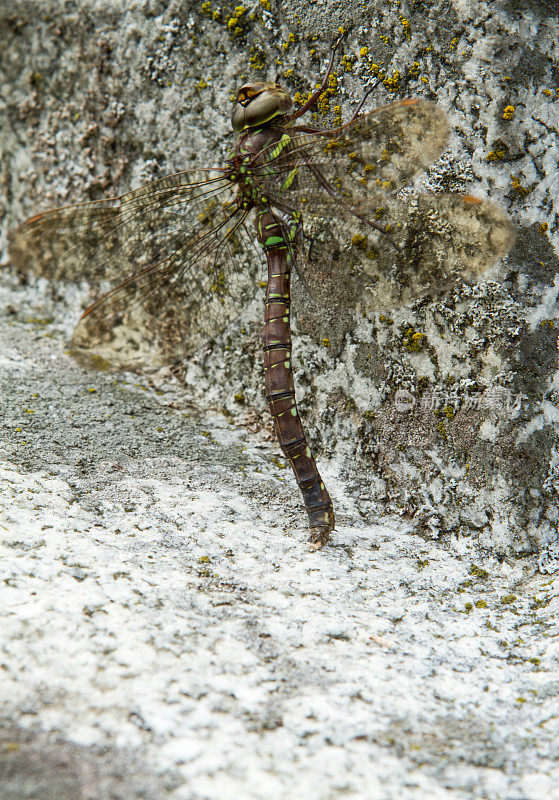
(258,103)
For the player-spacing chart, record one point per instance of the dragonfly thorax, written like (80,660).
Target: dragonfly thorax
(258,103)
(252,150)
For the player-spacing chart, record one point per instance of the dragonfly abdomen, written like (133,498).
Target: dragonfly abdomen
(280,388)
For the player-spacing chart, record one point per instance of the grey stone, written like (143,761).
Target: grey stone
(474,518)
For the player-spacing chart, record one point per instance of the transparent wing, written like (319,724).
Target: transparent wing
(353,166)
(80,241)
(444,239)
(173,250)
(344,182)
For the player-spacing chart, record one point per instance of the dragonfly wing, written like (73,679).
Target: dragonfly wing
(345,184)
(170,252)
(103,240)
(379,152)
(445,239)
(458,237)
(185,297)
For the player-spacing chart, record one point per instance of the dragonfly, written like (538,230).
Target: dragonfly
(180,246)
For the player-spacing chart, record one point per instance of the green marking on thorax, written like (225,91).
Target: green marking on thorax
(290,178)
(281,145)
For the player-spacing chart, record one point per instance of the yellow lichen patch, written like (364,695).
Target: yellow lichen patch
(234,23)
(359,240)
(413,340)
(449,412)
(544,227)
(257,60)
(334,144)
(326,342)
(363,52)
(507,599)
(547,92)
(520,190)
(332,87)
(495,155)
(219,284)
(347,63)
(287,44)
(406,26)
(413,71)
(454,43)
(206,213)
(479,572)
(508,112)
(392,82)
(206,8)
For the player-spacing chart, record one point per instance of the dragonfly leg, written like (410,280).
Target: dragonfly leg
(316,94)
(280,387)
(362,103)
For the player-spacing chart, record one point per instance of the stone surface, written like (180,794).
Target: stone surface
(164,632)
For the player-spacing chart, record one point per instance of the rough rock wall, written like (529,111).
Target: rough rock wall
(444,410)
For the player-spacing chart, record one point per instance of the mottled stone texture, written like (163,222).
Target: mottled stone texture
(445,410)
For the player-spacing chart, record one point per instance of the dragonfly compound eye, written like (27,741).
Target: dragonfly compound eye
(258,103)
